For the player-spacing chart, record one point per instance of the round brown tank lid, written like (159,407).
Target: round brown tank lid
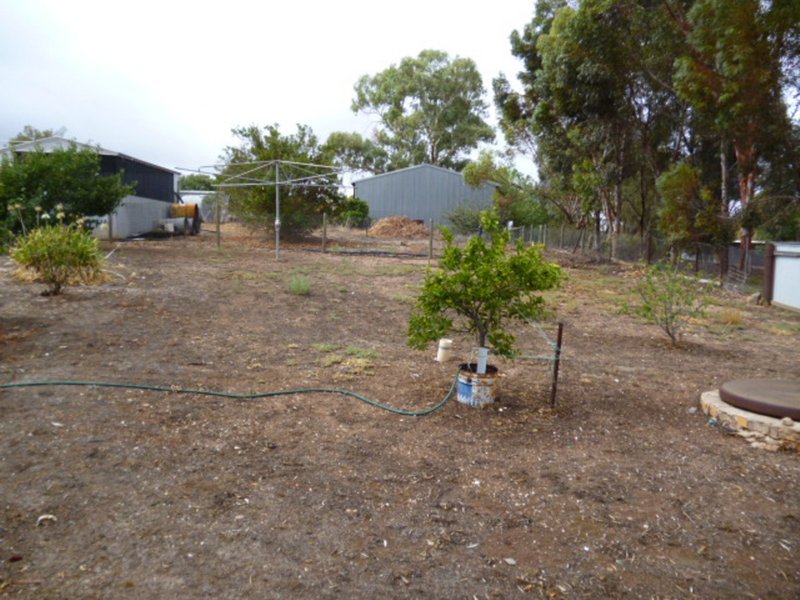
(774,397)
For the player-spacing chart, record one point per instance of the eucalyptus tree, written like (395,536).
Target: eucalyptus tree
(431,108)
(615,93)
(589,106)
(353,152)
(733,75)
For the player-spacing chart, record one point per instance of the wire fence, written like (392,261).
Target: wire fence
(703,259)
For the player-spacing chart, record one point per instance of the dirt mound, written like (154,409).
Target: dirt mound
(399,227)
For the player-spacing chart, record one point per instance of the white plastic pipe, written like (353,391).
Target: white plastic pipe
(445,346)
(483,357)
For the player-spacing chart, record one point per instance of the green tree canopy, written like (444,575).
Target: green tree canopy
(70,177)
(613,93)
(481,288)
(431,109)
(690,212)
(303,202)
(587,109)
(196,181)
(517,197)
(733,76)
(30,134)
(354,152)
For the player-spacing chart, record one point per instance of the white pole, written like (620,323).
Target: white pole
(277,215)
(483,357)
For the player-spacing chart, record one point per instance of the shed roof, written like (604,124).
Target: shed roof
(50,144)
(415,167)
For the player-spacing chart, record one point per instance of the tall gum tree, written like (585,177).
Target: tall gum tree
(732,76)
(597,107)
(431,109)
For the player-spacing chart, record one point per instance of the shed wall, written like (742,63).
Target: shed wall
(151,182)
(786,290)
(135,216)
(420,193)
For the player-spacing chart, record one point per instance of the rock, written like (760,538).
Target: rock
(692,410)
(46,519)
(787,421)
(754,298)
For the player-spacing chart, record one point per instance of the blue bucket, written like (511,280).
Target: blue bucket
(475,389)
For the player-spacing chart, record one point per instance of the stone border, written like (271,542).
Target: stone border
(761,431)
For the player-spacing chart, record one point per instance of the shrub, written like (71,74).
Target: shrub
(670,299)
(466,220)
(59,254)
(354,212)
(299,285)
(65,180)
(480,288)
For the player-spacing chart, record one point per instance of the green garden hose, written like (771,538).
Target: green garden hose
(156,388)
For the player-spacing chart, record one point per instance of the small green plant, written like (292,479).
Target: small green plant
(59,254)
(481,288)
(670,299)
(299,285)
(325,347)
(363,353)
(330,360)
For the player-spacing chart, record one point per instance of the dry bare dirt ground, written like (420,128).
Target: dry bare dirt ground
(620,491)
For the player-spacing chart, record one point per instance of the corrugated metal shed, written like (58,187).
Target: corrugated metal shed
(151,181)
(137,214)
(421,192)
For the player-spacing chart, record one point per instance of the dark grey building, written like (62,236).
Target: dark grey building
(155,187)
(422,192)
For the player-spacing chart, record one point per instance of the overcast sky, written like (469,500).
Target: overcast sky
(167,81)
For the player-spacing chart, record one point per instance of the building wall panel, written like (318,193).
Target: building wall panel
(786,290)
(424,192)
(135,216)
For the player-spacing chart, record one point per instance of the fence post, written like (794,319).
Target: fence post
(556,363)
(769,274)
(324,231)
(218,217)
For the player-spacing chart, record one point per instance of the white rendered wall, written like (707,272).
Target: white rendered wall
(786,291)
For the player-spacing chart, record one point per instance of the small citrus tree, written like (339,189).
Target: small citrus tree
(670,299)
(59,254)
(480,288)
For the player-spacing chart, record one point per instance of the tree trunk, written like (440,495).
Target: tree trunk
(746,180)
(746,167)
(724,213)
(616,224)
(597,233)
(723,191)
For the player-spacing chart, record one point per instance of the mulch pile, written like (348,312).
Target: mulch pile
(395,227)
